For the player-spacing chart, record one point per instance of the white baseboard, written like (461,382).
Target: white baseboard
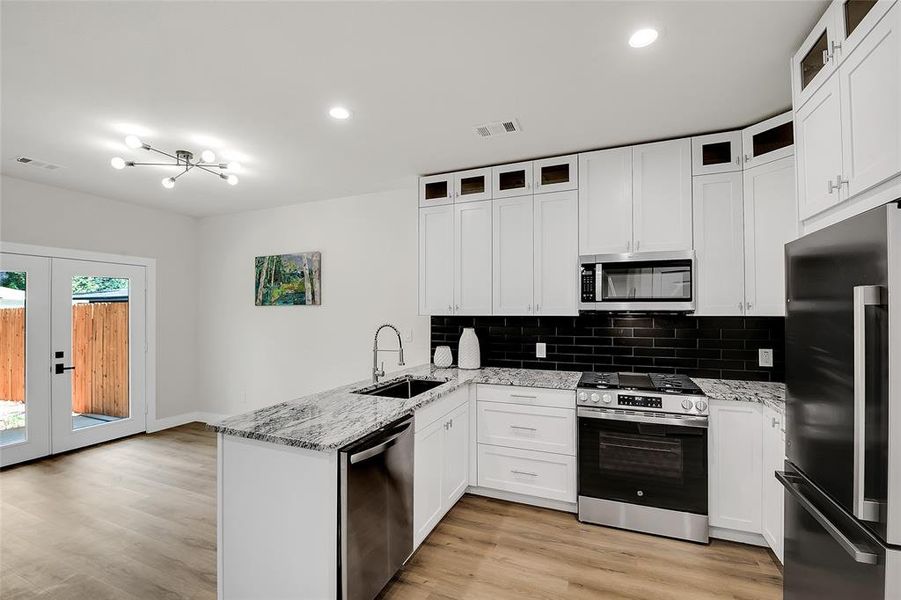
(183,419)
(742,537)
(570,507)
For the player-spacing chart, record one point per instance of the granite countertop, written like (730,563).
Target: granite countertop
(329,420)
(763,392)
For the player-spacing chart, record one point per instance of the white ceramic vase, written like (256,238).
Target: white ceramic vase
(468,355)
(443,357)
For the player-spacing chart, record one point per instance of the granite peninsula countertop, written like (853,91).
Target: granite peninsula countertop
(327,421)
(763,392)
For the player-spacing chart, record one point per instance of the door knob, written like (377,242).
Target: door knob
(59,369)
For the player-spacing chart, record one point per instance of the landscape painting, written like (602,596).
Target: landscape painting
(288,279)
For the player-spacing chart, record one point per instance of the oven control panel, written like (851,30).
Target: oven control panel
(640,401)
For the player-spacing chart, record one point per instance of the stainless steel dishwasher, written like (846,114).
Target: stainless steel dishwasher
(376,512)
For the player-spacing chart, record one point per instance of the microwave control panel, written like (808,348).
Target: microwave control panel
(588,283)
(642,401)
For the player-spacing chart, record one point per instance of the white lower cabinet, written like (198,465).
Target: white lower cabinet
(735,466)
(440,461)
(773,495)
(539,474)
(528,427)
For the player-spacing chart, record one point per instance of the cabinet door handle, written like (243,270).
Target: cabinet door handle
(529,308)
(628,246)
(456,307)
(738,160)
(537,308)
(524,396)
(529,473)
(741,307)
(523,428)
(750,305)
(747,157)
(450,309)
(637,245)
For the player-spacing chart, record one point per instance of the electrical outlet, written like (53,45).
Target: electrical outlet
(541,350)
(408,336)
(765,357)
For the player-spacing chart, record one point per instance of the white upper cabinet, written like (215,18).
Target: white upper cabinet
(556,174)
(472,185)
(771,221)
(870,84)
(472,258)
(512,180)
(605,201)
(556,253)
(436,260)
(436,190)
(661,194)
(719,244)
(716,153)
(769,140)
(816,59)
(512,222)
(819,144)
(855,18)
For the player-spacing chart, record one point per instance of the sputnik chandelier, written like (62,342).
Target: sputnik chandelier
(184,160)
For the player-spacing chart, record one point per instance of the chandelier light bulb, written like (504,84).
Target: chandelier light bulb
(117,163)
(133,141)
(169,183)
(232,179)
(208,156)
(234,166)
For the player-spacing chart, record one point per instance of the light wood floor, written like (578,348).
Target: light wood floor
(137,519)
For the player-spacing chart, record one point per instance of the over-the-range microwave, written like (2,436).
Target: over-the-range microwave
(641,282)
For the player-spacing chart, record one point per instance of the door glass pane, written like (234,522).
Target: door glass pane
(552,174)
(813,61)
(719,153)
(436,190)
(472,185)
(512,180)
(773,139)
(12,357)
(855,11)
(99,350)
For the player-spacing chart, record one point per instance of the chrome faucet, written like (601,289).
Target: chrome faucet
(380,372)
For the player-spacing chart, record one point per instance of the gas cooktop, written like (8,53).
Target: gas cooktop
(643,382)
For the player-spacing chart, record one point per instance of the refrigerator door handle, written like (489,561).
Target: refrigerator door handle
(864,296)
(860,556)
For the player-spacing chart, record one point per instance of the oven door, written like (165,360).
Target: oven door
(640,459)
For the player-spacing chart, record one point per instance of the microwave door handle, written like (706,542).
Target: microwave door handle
(860,556)
(864,296)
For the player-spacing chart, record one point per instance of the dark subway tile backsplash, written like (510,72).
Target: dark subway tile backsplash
(718,347)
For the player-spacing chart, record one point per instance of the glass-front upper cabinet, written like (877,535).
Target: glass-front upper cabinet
(436,190)
(855,18)
(769,140)
(816,59)
(472,185)
(556,174)
(512,180)
(716,153)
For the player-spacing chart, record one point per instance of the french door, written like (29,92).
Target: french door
(72,354)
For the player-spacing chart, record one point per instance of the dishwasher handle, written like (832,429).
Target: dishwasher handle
(379,448)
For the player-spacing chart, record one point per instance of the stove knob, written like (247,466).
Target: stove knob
(607,398)
(595,398)
(687,404)
(583,396)
(701,405)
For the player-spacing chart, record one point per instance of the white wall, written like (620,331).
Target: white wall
(32,213)
(254,356)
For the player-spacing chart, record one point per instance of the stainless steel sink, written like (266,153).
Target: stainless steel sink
(404,388)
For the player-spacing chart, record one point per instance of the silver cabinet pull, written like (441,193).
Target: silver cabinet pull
(741,307)
(861,556)
(775,421)
(637,245)
(529,473)
(450,308)
(456,307)
(523,428)
(747,157)
(750,305)
(523,396)
(738,160)
(529,308)
(830,53)
(628,246)
(864,296)
(537,308)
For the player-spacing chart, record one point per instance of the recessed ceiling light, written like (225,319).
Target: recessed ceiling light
(339,112)
(643,37)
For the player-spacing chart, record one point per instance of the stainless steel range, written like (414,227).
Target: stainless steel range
(643,453)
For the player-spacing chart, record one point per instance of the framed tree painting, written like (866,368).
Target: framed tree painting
(288,279)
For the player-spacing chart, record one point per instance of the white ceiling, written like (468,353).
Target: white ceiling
(254,80)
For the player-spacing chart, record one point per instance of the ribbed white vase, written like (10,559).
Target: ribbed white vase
(443,357)
(468,355)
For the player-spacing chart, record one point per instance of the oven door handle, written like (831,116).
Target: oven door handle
(599,413)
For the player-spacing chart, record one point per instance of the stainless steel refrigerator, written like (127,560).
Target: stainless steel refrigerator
(843,390)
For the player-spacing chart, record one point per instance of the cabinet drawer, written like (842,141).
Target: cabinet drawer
(528,427)
(428,414)
(540,474)
(525,395)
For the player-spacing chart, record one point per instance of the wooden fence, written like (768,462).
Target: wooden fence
(100,357)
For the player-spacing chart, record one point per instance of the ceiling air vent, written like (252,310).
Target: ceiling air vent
(37,164)
(498,128)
